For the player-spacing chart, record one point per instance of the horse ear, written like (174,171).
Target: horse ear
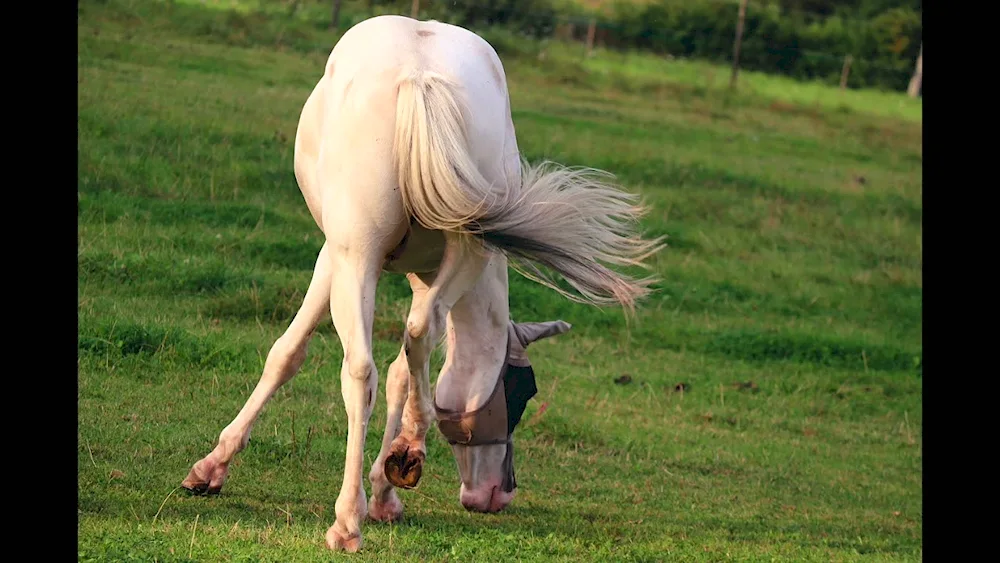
(531,332)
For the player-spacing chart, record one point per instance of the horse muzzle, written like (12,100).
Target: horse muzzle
(494,422)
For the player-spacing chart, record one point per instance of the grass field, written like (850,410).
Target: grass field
(789,313)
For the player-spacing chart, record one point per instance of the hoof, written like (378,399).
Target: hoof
(338,541)
(404,466)
(200,488)
(388,511)
(205,478)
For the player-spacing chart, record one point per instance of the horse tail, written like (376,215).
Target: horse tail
(573,221)
(441,185)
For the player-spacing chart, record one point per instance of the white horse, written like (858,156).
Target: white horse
(406,157)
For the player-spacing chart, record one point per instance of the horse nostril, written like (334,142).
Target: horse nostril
(500,499)
(487,498)
(475,502)
(478,500)
(476,507)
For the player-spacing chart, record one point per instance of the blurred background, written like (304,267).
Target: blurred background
(880,40)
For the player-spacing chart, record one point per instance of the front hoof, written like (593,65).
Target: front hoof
(388,511)
(404,466)
(341,540)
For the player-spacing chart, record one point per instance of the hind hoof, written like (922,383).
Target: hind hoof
(404,466)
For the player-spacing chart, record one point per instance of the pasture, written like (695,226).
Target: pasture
(766,404)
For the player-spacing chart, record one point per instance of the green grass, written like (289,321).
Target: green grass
(795,263)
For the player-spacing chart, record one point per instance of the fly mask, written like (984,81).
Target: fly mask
(494,422)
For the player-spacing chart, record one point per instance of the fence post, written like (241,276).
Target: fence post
(336,13)
(591,30)
(415,9)
(918,75)
(845,72)
(736,43)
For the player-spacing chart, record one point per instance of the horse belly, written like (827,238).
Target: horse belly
(420,252)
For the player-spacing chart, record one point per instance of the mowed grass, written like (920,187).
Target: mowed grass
(774,407)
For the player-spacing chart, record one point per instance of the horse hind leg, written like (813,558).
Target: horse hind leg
(400,460)
(433,297)
(405,454)
(356,269)
(385,505)
(283,362)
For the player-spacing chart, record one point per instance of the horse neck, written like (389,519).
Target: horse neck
(477,337)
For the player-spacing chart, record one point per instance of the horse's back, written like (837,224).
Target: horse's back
(389,44)
(344,158)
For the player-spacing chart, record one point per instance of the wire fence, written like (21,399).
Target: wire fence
(575,28)
(773,41)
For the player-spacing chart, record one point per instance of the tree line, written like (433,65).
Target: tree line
(804,39)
